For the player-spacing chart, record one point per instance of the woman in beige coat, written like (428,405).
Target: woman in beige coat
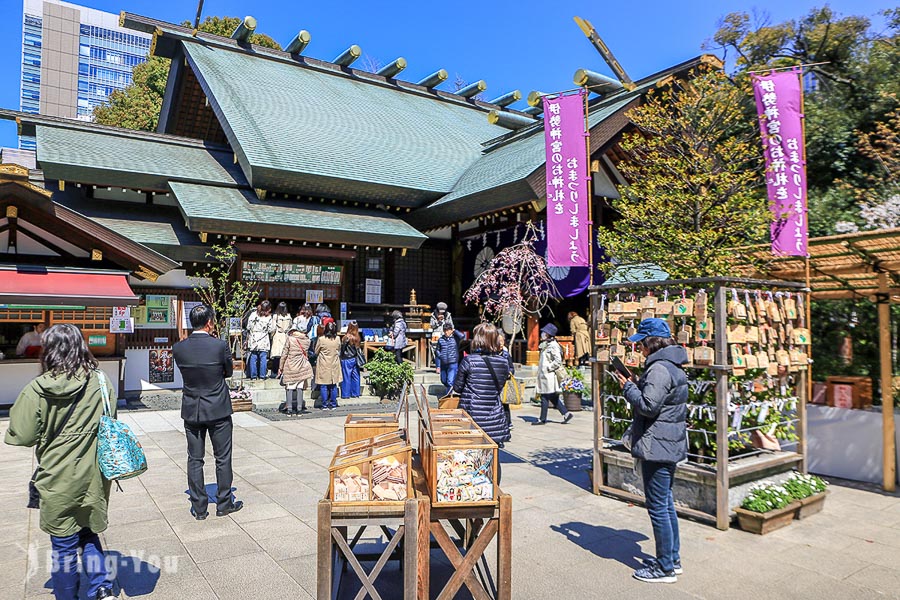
(581,332)
(283,321)
(328,366)
(550,365)
(295,371)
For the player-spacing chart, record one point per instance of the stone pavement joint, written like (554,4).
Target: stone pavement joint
(567,543)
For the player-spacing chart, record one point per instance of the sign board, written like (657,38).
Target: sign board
(162,366)
(161,340)
(234,326)
(186,309)
(96,340)
(157,312)
(843,396)
(121,325)
(121,312)
(373,291)
(254,270)
(315,296)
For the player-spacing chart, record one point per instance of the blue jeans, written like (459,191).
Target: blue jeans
(329,395)
(547,400)
(64,564)
(259,364)
(658,481)
(350,384)
(448,375)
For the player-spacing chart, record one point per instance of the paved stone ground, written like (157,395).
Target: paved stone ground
(567,542)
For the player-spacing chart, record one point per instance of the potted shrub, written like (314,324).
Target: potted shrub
(574,388)
(385,376)
(766,508)
(809,490)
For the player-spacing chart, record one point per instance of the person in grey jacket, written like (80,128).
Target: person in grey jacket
(658,402)
(398,335)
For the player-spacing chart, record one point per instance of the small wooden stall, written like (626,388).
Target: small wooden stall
(371,486)
(747,343)
(458,475)
(861,266)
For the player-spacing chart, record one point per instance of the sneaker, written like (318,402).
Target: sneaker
(652,562)
(104,593)
(568,417)
(539,422)
(655,575)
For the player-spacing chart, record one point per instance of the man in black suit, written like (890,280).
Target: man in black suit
(205,363)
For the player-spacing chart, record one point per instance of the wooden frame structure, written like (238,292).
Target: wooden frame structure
(725,471)
(864,265)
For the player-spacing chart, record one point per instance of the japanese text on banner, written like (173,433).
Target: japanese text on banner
(568,224)
(778,100)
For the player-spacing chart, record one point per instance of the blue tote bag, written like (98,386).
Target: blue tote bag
(118,450)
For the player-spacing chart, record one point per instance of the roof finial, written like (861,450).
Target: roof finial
(473,89)
(244,30)
(392,69)
(435,79)
(348,56)
(508,98)
(299,43)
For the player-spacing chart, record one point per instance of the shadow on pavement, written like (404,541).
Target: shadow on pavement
(569,464)
(608,543)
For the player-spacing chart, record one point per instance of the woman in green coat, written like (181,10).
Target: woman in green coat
(74,494)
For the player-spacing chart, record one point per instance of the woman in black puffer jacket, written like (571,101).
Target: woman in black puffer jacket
(479,381)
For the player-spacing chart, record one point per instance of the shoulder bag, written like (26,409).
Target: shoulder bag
(34,497)
(119,452)
(360,359)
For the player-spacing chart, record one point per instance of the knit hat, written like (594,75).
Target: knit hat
(441,307)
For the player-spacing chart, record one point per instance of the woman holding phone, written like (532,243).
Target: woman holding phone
(658,400)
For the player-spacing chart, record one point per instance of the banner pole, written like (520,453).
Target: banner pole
(590,197)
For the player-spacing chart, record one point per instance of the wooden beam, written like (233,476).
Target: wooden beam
(723,511)
(889,459)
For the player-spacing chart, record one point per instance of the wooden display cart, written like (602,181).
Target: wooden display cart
(728,334)
(371,474)
(363,426)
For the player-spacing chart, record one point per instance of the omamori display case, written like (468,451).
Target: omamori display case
(363,426)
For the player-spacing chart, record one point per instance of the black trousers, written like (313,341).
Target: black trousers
(220,433)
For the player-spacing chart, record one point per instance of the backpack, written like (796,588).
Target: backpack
(119,452)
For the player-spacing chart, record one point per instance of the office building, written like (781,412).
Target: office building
(73,58)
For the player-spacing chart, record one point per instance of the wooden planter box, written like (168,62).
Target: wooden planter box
(767,522)
(572,401)
(811,505)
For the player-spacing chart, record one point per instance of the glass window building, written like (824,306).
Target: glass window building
(73,58)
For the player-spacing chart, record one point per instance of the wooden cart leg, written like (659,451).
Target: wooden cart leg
(504,549)
(324,552)
(410,549)
(464,565)
(423,550)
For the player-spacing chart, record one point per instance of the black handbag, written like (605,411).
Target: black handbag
(360,359)
(34,497)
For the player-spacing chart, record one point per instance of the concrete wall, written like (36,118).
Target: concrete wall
(59,60)
(137,373)
(15,375)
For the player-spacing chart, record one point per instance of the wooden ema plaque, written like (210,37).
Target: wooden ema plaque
(362,426)
(371,475)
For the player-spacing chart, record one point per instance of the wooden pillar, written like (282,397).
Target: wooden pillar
(722,371)
(802,399)
(456,270)
(324,552)
(533,330)
(889,458)
(597,376)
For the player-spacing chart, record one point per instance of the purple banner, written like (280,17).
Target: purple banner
(778,102)
(568,219)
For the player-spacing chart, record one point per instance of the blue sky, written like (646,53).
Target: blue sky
(523,44)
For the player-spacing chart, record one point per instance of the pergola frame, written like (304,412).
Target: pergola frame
(864,266)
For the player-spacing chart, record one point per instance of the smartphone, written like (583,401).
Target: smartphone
(619,366)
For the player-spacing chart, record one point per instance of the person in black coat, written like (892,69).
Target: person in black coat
(658,402)
(480,379)
(205,362)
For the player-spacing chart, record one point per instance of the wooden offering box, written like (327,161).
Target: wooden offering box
(460,463)
(385,439)
(372,475)
(360,427)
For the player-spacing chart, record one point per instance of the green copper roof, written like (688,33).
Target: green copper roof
(130,159)
(239,212)
(319,131)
